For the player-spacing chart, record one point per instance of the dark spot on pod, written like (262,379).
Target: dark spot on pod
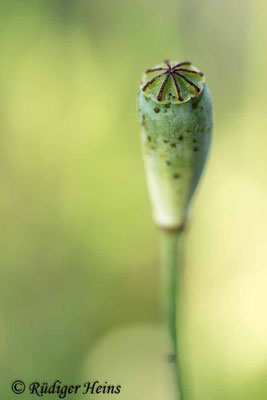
(173,144)
(170,94)
(149,138)
(181,138)
(165,141)
(173,97)
(157,110)
(194,141)
(143,120)
(188,130)
(201,108)
(194,105)
(168,162)
(176,176)
(167,105)
(195,148)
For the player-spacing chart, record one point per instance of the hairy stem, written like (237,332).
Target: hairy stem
(171,270)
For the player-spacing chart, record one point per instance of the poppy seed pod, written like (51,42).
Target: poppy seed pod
(175,115)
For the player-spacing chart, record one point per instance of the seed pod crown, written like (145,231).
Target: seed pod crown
(172,82)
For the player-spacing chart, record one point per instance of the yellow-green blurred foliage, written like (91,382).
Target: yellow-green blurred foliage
(79,258)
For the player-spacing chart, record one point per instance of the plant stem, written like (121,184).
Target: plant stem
(171,271)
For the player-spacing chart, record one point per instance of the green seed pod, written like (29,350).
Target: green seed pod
(175,114)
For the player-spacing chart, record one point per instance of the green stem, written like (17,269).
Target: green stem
(171,270)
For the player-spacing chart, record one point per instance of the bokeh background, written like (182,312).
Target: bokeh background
(79,256)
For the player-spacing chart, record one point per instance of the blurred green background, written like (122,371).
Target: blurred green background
(79,259)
